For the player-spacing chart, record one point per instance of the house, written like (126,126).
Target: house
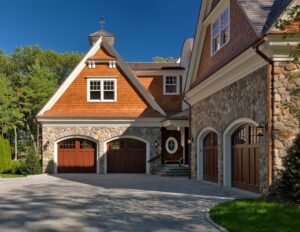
(238,84)
(112,116)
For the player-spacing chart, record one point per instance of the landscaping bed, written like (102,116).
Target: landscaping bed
(256,215)
(11,175)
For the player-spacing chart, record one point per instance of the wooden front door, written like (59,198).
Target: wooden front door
(76,156)
(126,156)
(245,159)
(210,157)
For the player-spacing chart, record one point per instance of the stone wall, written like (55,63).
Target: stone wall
(246,98)
(286,125)
(51,134)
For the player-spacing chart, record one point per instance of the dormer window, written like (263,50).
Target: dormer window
(171,85)
(102,90)
(220,31)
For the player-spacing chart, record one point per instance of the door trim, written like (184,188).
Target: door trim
(127,137)
(76,137)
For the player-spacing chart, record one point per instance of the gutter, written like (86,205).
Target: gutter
(190,137)
(270,94)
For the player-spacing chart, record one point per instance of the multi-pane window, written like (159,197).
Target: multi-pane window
(102,90)
(220,31)
(171,85)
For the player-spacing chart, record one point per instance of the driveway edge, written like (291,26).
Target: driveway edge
(210,221)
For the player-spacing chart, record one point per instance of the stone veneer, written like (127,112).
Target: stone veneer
(286,125)
(246,98)
(51,134)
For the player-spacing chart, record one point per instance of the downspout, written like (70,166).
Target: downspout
(270,93)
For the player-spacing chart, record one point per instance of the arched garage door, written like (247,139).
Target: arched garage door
(210,157)
(126,156)
(245,158)
(76,156)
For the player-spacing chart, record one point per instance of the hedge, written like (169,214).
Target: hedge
(5,155)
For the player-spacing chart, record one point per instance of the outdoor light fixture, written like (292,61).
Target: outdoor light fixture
(260,129)
(190,140)
(178,128)
(155,143)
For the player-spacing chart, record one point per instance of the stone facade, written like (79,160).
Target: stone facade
(246,98)
(51,134)
(286,125)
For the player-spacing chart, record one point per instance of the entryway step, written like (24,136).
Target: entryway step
(173,170)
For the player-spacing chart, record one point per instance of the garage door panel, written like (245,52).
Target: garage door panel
(126,156)
(75,158)
(210,157)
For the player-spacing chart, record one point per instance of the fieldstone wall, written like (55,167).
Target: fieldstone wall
(246,98)
(286,125)
(51,134)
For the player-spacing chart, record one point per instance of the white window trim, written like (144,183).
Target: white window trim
(177,87)
(219,33)
(175,145)
(102,92)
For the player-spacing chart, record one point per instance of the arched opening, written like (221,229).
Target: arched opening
(76,155)
(210,157)
(228,147)
(207,146)
(127,154)
(245,158)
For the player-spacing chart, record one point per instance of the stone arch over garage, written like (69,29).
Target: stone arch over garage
(203,133)
(227,145)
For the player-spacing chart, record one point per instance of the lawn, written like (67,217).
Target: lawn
(9,175)
(248,215)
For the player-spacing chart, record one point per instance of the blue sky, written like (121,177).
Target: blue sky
(143,28)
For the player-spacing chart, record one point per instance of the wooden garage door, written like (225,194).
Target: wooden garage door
(245,159)
(76,156)
(210,157)
(126,156)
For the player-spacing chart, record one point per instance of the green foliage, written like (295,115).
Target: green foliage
(287,184)
(5,155)
(249,215)
(164,60)
(16,166)
(31,165)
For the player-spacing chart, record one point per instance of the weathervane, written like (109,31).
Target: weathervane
(102,22)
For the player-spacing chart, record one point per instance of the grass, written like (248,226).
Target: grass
(255,215)
(10,175)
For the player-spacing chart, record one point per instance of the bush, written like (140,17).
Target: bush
(31,165)
(5,155)
(287,184)
(16,166)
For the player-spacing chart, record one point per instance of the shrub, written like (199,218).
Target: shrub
(16,166)
(5,155)
(31,165)
(287,184)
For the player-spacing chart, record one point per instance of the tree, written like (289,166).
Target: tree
(164,60)
(287,184)
(5,155)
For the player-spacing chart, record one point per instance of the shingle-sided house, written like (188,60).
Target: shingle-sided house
(111,116)
(238,83)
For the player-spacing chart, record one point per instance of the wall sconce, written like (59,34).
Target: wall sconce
(178,128)
(155,143)
(190,140)
(260,129)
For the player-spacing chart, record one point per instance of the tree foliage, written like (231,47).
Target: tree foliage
(31,165)
(163,59)
(287,184)
(5,155)
(28,78)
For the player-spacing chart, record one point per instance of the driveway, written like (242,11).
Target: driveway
(116,202)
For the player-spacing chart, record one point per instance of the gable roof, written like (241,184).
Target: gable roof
(263,13)
(130,75)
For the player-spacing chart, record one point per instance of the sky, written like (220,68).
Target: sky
(143,28)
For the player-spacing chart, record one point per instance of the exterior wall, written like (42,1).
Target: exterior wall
(51,134)
(242,36)
(246,98)
(286,125)
(169,103)
(73,102)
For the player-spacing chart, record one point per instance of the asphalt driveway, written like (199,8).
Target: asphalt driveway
(117,202)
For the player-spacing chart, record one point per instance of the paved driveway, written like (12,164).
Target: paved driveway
(87,202)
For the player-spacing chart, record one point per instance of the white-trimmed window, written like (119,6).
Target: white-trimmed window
(102,90)
(171,85)
(171,145)
(220,31)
